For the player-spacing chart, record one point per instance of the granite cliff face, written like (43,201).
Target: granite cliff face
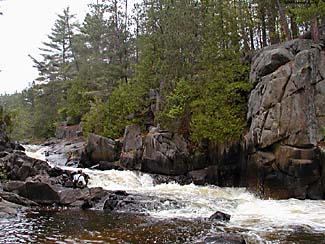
(286,113)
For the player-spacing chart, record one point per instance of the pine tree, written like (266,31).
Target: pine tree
(59,58)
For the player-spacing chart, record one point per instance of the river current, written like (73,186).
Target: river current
(257,220)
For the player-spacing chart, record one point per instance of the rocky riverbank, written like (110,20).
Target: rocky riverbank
(280,157)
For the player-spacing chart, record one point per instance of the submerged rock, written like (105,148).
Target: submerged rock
(225,238)
(220,216)
(8,209)
(15,198)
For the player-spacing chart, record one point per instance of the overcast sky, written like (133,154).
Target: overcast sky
(24,25)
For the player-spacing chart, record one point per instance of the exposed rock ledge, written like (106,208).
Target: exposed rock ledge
(286,112)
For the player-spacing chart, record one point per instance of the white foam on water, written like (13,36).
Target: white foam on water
(36,151)
(246,210)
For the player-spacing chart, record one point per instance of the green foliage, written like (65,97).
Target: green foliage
(315,9)
(7,118)
(100,72)
(3,174)
(209,106)
(78,102)
(220,114)
(125,106)
(59,58)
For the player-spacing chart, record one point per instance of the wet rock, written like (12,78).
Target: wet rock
(208,175)
(225,238)
(165,179)
(14,198)
(220,216)
(138,203)
(98,149)
(111,203)
(104,165)
(228,163)
(70,195)
(41,193)
(164,153)
(8,209)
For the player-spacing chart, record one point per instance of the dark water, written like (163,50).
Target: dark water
(258,221)
(77,226)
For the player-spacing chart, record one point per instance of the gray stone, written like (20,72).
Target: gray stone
(100,148)
(321,65)
(268,61)
(164,153)
(286,115)
(68,195)
(132,139)
(14,198)
(8,209)
(208,175)
(220,216)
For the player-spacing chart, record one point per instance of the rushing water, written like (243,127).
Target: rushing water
(259,221)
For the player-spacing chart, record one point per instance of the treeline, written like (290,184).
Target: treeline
(181,64)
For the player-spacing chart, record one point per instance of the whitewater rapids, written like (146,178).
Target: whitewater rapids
(256,216)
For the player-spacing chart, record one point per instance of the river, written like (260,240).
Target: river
(259,221)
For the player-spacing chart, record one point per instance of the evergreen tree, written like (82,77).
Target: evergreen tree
(59,59)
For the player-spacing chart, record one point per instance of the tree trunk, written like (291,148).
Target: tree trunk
(243,26)
(271,14)
(314,30)
(294,27)
(284,21)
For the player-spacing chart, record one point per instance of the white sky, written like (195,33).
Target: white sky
(24,25)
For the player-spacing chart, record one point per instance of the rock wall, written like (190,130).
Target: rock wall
(286,112)
(65,131)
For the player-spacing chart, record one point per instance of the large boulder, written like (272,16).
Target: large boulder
(158,152)
(132,148)
(287,116)
(8,209)
(99,148)
(19,166)
(164,153)
(120,201)
(39,192)
(65,131)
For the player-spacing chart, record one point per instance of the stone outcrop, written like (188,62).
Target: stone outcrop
(286,113)
(65,131)
(132,148)
(164,153)
(99,148)
(158,152)
(59,151)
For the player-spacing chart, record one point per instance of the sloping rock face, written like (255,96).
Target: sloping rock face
(132,148)
(287,114)
(65,131)
(98,149)
(164,153)
(159,152)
